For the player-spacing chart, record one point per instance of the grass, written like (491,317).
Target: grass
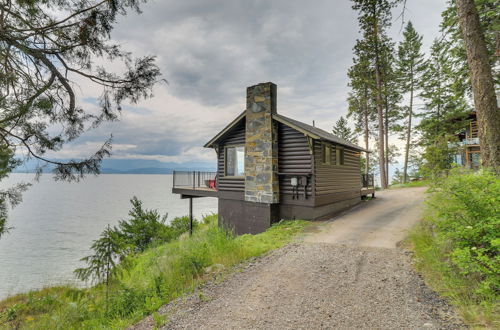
(156,277)
(430,260)
(420,183)
(456,245)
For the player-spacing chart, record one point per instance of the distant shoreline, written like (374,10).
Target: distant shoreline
(131,171)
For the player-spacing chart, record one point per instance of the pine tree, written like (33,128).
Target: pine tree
(46,47)
(342,130)
(109,251)
(391,95)
(483,85)
(361,105)
(443,101)
(489,16)
(411,65)
(374,18)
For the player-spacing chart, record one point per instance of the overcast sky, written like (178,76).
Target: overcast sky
(210,51)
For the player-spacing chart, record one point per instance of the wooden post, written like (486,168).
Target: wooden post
(190,216)
(467,157)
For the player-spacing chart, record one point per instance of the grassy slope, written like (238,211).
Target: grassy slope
(157,276)
(431,261)
(459,200)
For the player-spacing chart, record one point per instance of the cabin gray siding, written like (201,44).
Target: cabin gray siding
(234,137)
(294,158)
(336,182)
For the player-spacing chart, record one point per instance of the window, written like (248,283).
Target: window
(326,153)
(235,161)
(339,156)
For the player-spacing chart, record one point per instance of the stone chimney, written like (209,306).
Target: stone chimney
(261,146)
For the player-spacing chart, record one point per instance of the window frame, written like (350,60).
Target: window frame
(324,159)
(339,156)
(225,161)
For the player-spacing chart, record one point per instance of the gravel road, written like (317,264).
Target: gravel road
(346,273)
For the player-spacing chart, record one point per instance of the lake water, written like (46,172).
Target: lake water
(55,224)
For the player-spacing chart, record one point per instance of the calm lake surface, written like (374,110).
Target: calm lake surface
(55,224)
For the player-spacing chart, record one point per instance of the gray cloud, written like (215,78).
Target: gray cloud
(210,51)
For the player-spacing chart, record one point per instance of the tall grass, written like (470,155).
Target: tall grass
(457,244)
(157,276)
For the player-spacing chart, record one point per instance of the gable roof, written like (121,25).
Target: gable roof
(308,130)
(315,132)
(210,144)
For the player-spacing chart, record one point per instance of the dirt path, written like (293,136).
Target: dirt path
(346,274)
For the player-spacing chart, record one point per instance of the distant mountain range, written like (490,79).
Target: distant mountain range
(132,166)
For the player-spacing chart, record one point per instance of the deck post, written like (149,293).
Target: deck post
(190,216)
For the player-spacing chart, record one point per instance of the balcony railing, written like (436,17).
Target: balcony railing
(195,180)
(367,181)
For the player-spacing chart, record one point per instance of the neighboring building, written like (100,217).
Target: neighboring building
(271,167)
(469,152)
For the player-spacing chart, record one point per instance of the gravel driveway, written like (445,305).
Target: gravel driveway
(346,273)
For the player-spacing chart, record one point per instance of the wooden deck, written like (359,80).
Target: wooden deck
(190,192)
(367,191)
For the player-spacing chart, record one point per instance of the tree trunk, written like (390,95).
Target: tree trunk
(386,128)
(380,113)
(408,133)
(367,160)
(485,100)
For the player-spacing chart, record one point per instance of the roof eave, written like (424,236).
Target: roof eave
(210,144)
(300,129)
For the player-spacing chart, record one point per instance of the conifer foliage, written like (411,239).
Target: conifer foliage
(373,50)
(342,130)
(47,49)
(112,252)
(411,65)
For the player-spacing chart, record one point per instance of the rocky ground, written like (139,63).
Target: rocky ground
(346,274)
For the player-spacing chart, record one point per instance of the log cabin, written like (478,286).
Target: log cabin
(271,167)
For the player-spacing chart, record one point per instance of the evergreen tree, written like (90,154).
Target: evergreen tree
(361,105)
(444,102)
(398,177)
(45,48)
(109,251)
(483,84)
(411,65)
(144,227)
(489,18)
(391,95)
(342,130)
(374,18)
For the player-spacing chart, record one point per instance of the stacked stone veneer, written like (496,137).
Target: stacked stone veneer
(261,145)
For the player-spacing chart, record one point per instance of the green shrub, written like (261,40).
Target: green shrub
(457,244)
(144,227)
(465,209)
(180,225)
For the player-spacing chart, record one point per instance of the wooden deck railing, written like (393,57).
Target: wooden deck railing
(195,180)
(367,181)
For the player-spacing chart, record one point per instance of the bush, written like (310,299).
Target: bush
(457,244)
(465,209)
(144,227)
(180,225)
